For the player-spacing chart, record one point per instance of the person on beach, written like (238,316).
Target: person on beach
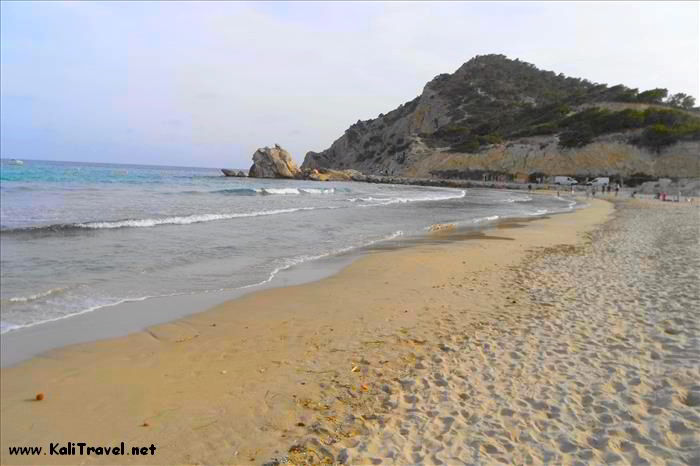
(617,189)
(529,188)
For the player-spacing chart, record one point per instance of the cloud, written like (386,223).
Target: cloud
(236,76)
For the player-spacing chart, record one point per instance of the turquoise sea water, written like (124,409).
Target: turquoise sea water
(81,237)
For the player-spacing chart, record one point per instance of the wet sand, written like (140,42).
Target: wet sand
(553,342)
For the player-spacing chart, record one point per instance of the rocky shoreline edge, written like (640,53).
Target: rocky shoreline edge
(276,162)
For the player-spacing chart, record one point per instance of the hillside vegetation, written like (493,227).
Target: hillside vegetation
(492,101)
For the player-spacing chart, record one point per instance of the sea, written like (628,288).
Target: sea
(77,238)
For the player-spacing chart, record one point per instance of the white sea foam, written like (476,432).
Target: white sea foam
(287,263)
(292,261)
(34,297)
(199,218)
(7,326)
(486,219)
(288,191)
(571,203)
(186,220)
(381,201)
(317,191)
(279,191)
(517,199)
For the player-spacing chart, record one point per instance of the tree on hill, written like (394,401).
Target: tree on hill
(681,100)
(653,96)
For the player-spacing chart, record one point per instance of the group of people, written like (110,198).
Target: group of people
(591,190)
(606,188)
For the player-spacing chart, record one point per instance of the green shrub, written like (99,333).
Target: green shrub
(653,116)
(471,145)
(657,136)
(576,137)
(493,138)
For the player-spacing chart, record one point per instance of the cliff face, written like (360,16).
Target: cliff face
(610,155)
(500,115)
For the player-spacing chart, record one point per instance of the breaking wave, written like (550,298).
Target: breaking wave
(266,191)
(517,199)
(34,297)
(379,201)
(152,222)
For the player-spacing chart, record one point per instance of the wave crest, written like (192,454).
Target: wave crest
(152,222)
(381,201)
(265,191)
(510,200)
(34,297)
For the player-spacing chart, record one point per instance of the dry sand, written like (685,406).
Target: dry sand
(555,342)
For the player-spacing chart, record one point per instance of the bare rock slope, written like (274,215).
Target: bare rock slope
(498,115)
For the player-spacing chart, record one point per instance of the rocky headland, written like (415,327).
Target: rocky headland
(497,118)
(497,122)
(276,162)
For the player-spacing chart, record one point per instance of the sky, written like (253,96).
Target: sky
(205,84)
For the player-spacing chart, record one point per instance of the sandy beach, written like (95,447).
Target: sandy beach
(568,339)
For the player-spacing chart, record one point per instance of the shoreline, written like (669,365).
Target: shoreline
(233,379)
(17,346)
(136,315)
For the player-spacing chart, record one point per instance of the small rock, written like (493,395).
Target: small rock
(343,456)
(407,383)
(444,347)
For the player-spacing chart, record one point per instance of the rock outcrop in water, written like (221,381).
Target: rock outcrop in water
(496,116)
(273,162)
(235,173)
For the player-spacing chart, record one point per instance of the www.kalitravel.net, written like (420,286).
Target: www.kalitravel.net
(82,449)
